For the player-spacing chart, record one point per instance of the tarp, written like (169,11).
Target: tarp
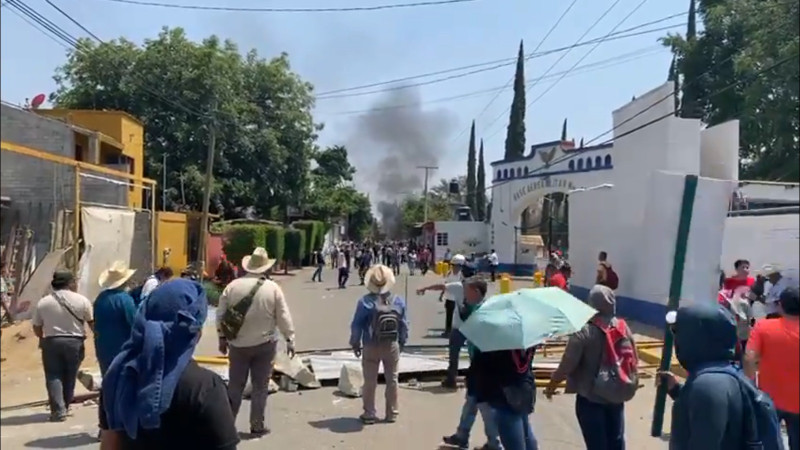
(108,237)
(38,285)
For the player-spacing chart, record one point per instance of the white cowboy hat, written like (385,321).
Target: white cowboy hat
(116,275)
(458,260)
(769,269)
(258,262)
(379,279)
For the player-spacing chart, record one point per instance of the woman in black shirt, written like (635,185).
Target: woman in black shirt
(504,379)
(154,395)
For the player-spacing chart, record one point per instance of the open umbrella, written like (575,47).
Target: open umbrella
(524,318)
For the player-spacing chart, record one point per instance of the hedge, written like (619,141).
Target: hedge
(315,236)
(274,241)
(295,249)
(241,240)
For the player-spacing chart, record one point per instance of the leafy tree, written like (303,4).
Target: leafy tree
(332,195)
(471,181)
(480,191)
(260,110)
(413,210)
(515,135)
(722,77)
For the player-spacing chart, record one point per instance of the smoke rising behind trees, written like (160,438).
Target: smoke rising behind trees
(390,141)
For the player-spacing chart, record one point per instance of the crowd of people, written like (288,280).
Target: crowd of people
(155,396)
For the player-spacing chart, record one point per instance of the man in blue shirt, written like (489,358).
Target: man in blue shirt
(378,333)
(114,312)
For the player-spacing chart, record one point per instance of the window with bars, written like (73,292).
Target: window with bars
(442,239)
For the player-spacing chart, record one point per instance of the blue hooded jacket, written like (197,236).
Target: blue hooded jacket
(708,409)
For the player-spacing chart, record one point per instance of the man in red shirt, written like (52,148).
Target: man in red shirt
(560,278)
(741,278)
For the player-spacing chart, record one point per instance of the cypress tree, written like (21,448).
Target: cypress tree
(564,131)
(480,192)
(691,91)
(471,172)
(515,135)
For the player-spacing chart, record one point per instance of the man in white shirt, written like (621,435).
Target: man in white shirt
(59,321)
(494,261)
(153,281)
(778,281)
(249,333)
(453,294)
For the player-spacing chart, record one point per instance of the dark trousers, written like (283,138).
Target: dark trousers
(255,362)
(449,309)
(454,344)
(602,425)
(792,422)
(61,359)
(317,276)
(343,276)
(493,271)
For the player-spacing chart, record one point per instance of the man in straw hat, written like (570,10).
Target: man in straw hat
(378,334)
(114,310)
(59,321)
(251,311)
(778,281)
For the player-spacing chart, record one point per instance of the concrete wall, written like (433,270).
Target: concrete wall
(462,237)
(762,240)
(39,188)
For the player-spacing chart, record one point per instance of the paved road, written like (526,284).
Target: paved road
(319,420)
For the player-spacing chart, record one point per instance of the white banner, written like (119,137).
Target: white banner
(108,237)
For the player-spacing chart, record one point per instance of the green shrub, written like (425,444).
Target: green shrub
(311,228)
(240,241)
(295,248)
(274,241)
(213,291)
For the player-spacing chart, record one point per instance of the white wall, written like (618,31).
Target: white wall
(462,237)
(762,240)
(788,193)
(719,151)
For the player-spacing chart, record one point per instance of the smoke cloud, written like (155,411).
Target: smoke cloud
(390,142)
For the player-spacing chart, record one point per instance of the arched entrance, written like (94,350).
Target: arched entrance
(542,227)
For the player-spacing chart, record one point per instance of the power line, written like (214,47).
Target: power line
(552,66)
(578,152)
(504,62)
(511,80)
(586,68)
(292,10)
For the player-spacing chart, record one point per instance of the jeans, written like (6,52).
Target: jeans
(792,422)
(317,276)
(454,344)
(61,357)
(602,425)
(449,310)
(468,414)
(344,274)
(515,430)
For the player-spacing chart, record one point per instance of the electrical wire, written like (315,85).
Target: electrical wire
(292,10)
(500,63)
(649,123)
(555,63)
(511,80)
(597,65)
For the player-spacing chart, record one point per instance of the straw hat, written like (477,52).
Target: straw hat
(770,269)
(258,262)
(379,279)
(116,275)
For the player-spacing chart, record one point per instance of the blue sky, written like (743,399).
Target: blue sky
(340,50)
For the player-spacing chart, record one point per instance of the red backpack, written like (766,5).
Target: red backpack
(612,279)
(618,378)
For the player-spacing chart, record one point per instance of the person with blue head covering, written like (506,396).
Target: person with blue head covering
(154,395)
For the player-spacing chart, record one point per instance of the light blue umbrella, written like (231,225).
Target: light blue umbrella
(524,318)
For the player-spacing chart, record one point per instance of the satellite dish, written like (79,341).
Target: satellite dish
(37,101)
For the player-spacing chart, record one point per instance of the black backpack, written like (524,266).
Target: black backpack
(385,320)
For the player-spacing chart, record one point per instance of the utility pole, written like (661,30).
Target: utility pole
(164,182)
(427,170)
(212,141)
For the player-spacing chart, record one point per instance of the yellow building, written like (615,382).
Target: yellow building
(107,137)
